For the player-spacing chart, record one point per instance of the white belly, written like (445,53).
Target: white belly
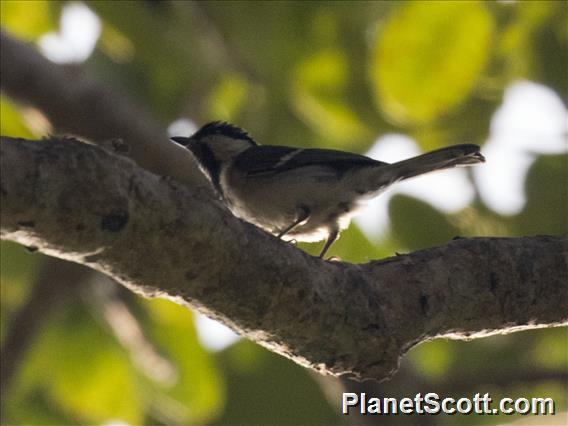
(272,203)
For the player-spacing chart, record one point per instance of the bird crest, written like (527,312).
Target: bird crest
(224,129)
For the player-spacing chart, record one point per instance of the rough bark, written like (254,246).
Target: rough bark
(162,239)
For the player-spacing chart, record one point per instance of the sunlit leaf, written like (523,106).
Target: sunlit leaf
(335,121)
(551,349)
(26,19)
(116,45)
(326,71)
(18,264)
(81,369)
(432,360)
(228,97)
(516,42)
(38,409)
(12,123)
(318,87)
(197,391)
(18,267)
(428,57)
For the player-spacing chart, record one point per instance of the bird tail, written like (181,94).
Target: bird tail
(444,158)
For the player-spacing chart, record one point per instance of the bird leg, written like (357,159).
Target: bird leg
(303,216)
(330,239)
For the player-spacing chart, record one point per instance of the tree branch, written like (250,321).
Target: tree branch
(80,105)
(162,239)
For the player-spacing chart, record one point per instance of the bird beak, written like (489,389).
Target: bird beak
(181,140)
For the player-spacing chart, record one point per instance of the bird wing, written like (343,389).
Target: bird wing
(265,160)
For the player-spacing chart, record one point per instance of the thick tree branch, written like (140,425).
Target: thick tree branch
(159,238)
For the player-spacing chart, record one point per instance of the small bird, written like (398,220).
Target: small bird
(303,194)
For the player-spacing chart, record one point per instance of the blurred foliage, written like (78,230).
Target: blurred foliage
(25,20)
(13,122)
(428,58)
(18,268)
(285,394)
(414,220)
(197,390)
(324,74)
(451,366)
(75,377)
(546,211)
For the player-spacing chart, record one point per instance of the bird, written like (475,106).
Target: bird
(303,194)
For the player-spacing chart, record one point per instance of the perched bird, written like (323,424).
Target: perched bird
(300,193)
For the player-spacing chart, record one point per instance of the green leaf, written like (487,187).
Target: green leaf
(317,96)
(12,123)
(516,44)
(157,63)
(547,200)
(550,349)
(18,267)
(227,98)
(432,360)
(197,392)
(428,58)
(37,409)
(266,389)
(17,264)
(81,369)
(26,19)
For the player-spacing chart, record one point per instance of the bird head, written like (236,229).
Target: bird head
(217,142)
